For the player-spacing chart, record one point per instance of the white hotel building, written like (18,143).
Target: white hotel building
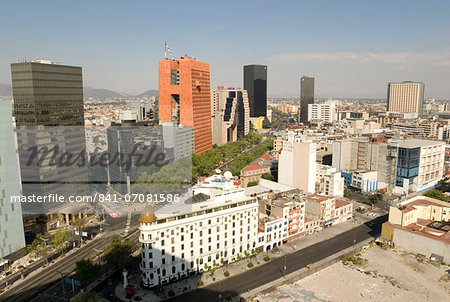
(220,222)
(216,225)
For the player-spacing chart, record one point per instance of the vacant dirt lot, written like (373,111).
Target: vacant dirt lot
(373,275)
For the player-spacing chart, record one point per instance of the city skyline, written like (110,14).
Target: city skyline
(273,146)
(352,50)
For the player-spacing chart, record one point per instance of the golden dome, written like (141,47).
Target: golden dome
(147,216)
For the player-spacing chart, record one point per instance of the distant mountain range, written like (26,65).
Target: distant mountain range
(89,92)
(147,93)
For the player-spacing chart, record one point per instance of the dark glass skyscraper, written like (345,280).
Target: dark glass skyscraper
(255,82)
(49,114)
(306,96)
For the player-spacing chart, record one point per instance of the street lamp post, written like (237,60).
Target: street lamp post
(285,266)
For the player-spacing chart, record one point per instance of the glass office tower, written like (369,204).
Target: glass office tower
(11,235)
(49,114)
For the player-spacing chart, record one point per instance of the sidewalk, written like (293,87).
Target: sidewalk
(49,264)
(235,268)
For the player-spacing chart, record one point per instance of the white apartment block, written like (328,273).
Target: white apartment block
(328,181)
(204,232)
(431,165)
(405,97)
(365,181)
(325,112)
(272,231)
(420,164)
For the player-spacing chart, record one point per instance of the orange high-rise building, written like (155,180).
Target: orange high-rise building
(184,97)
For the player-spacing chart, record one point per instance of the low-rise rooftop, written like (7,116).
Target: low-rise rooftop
(317,198)
(416,143)
(341,203)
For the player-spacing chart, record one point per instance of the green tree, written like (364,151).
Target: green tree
(38,247)
(373,198)
(252,127)
(85,296)
(86,270)
(443,180)
(252,184)
(268,176)
(35,245)
(436,194)
(60,239)
(253,137)
(347,193)
(244,159)
(118,253)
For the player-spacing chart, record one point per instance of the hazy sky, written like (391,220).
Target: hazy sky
(352,48)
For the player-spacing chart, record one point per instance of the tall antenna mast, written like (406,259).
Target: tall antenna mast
(168,55)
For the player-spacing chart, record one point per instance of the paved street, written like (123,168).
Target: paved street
(46,284)
(47,281)
(273,270)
